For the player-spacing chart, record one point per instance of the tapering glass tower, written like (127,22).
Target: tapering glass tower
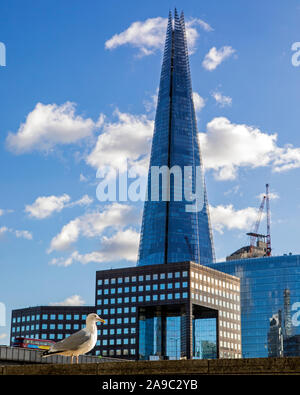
(176,228)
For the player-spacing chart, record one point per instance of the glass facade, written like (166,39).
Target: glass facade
(270,300)
(176,224)
(161,333)
(205,338)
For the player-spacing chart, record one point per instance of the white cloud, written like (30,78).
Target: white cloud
(2,211)
(45,206)
(205,26)
(227,217)
(68,235)
(199,102)
(226,147)
(3,335)
(123,245)
(272,196)
(25,234)
(127,139)
(48,125)
(216,56)
(84,201)
(222,100)
(114,216)
(149,36)
(75,300)
(150,105)
(286,158)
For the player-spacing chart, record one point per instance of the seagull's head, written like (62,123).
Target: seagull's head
(93,318)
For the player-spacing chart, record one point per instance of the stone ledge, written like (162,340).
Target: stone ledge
(187,367)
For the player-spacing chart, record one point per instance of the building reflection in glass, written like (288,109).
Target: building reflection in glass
(270,289)
(161,333)
(205,338)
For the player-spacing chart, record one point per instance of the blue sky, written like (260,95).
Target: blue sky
(78,91)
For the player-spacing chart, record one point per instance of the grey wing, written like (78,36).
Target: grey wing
(73,342)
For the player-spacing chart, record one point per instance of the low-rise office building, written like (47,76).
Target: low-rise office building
(48,322)
(183,310)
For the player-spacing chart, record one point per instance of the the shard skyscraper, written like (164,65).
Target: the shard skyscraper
(176,229)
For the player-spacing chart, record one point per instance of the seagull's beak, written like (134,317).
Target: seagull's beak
(101,320)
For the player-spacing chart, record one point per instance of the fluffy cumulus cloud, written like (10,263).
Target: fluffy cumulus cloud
(149,36)
(216,56)
(74,300)
(227,217)
(126,139)
(123,245)
(115,216)
(45,206)
(48,125)
(227,146)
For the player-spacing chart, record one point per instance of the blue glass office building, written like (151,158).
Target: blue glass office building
(177,228)
(270,301)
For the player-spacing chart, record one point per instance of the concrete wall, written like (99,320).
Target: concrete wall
(188,367)
(15,355)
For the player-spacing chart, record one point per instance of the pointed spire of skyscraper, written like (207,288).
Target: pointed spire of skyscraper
(176,230)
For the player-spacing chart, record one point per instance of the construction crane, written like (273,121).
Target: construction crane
(255,235)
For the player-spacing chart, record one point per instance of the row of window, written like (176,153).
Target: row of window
(46,326)
(230,355)
(119,321)
(118,331)
(230,315)
(217,302)
(37,317)
(147,277)
(117,352)
(119,310)
(228,335)
(217,282)
(142,288)
(228,295)
(232,346)
(119,341)
(141,298)
(230,325)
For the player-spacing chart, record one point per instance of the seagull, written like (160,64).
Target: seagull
(79,342)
